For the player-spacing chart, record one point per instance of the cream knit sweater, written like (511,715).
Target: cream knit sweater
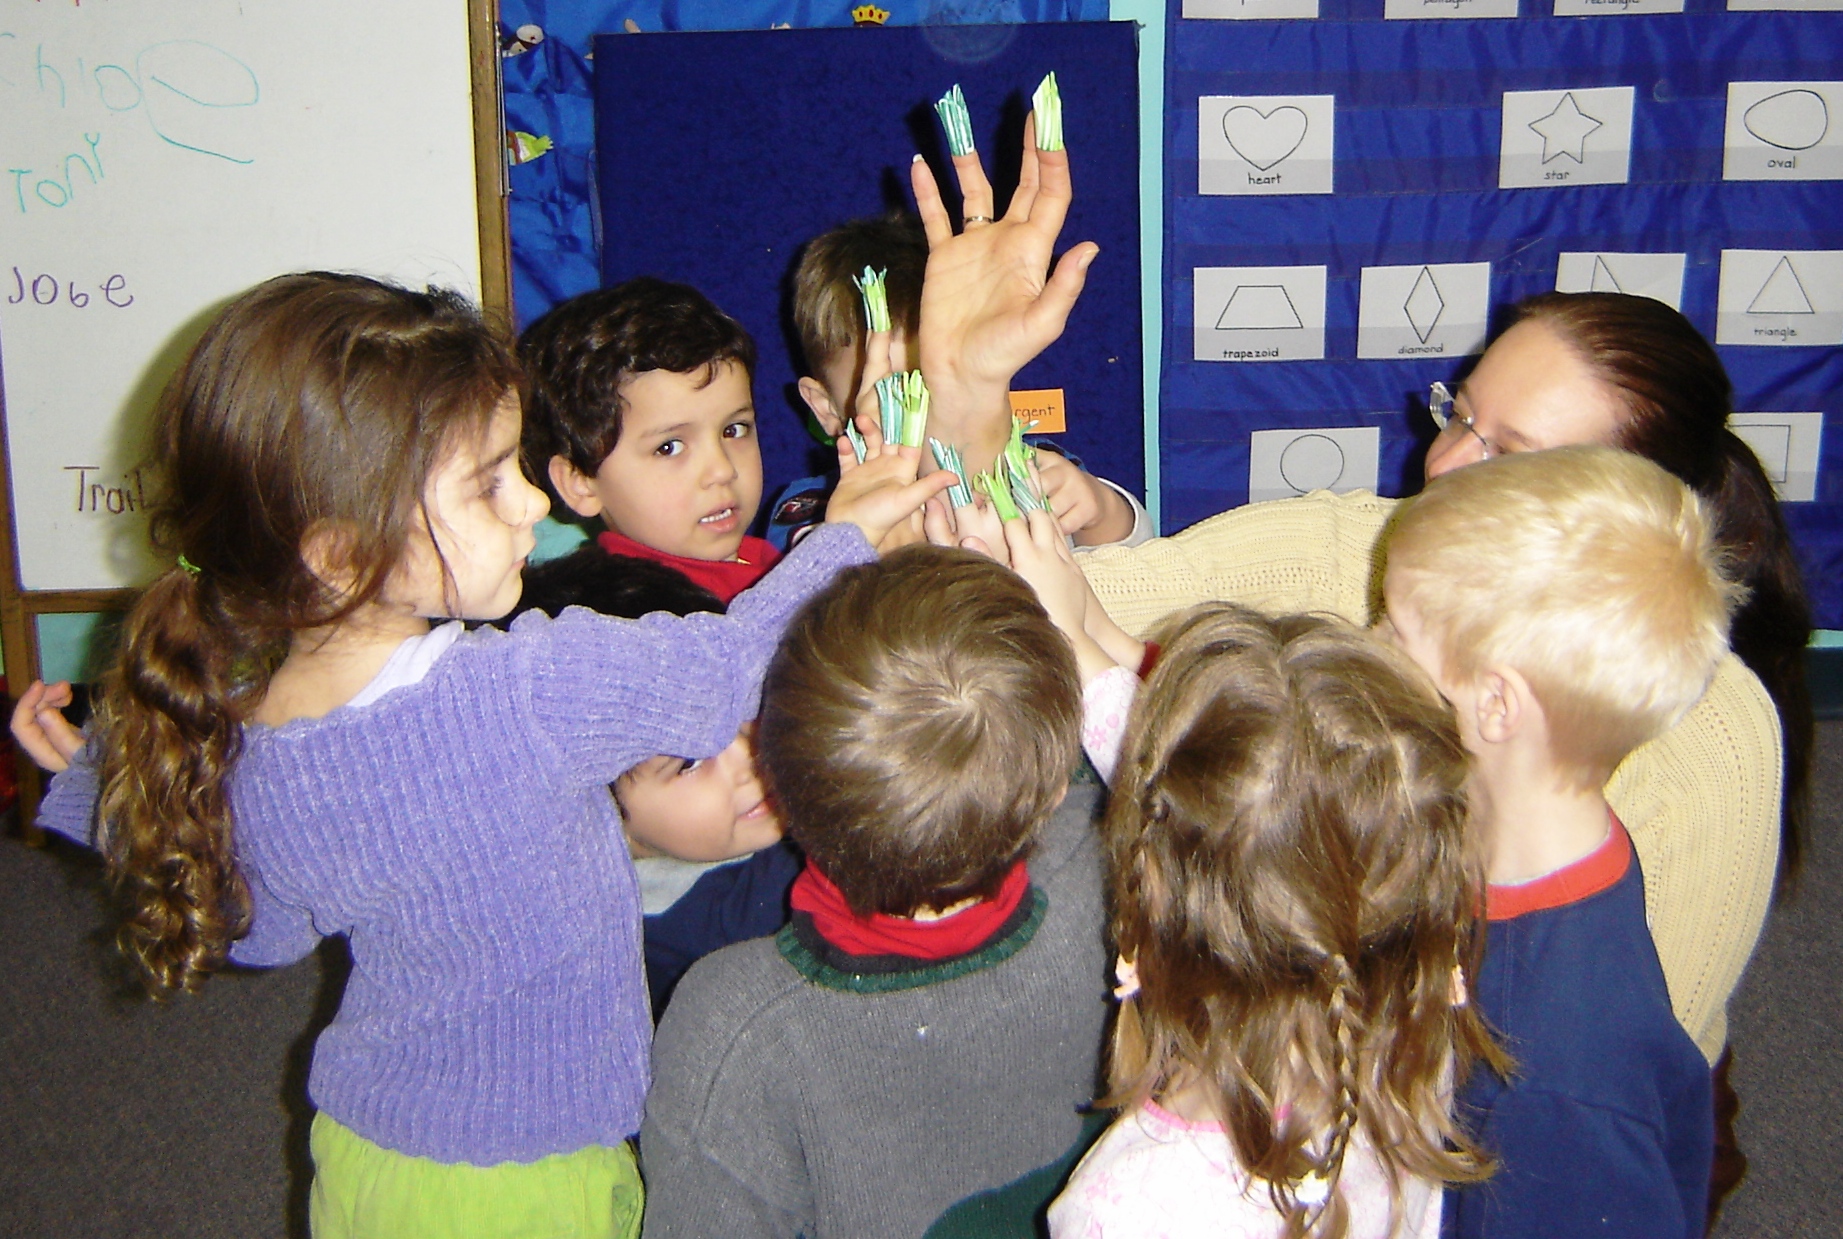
(1701,801)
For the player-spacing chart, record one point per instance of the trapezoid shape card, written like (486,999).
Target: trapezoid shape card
(1258,314)
(1265,144)
(1429,310)
(1556,138)
(1780,298)
(1659,276)
(1783,131)
(1787,445)
(1285,463)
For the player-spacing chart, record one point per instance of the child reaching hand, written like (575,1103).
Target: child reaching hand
(289,749)
(1295,903)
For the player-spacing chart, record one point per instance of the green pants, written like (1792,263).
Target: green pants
(362,1191)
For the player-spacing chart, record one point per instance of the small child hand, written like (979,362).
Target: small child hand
(975,527)
(881,492)
(1040,554)
(1089,510)
(41,728)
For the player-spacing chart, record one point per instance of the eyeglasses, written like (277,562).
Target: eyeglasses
(1439,406)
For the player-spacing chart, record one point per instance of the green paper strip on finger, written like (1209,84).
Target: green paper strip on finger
(994,487)
(1046,104)
(956,122)
(857,441)
(915,401)
(889,407)
(876,299)
(947,456)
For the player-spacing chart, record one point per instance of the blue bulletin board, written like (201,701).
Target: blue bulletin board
(1352,198)
(720,154)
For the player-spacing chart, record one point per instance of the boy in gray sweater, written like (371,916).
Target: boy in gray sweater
(928,1027)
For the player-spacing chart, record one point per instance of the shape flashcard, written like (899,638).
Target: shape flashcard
(1247,10)
(1435,310)
(1554,138)
(1615,8)
(1787,445)
(1286,463)
(1272,144)
(1787,6)
(1415,10)
(1259,313)
(1788,299)
(1783,131)
(1659,276)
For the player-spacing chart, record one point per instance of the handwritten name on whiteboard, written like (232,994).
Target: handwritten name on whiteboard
(45,288)
(187,93)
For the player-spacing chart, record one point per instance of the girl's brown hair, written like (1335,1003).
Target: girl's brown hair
(315,404)
(1294,881)
(1678,398)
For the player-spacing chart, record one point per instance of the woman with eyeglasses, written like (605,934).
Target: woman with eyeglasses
(1703,802)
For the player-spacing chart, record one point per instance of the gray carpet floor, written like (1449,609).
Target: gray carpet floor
(121,1118)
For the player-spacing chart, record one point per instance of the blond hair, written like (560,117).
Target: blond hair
(1590,571)
(1293,878)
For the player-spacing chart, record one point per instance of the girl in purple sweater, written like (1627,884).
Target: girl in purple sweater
(289,748)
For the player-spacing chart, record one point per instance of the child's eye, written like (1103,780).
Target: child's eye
(671,447)
(739,430)
(687,765)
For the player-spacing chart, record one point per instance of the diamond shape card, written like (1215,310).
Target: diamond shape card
(1780,298)
(1286,463)
(1416,10)
(1264,144)
(1787,445)
(1658,276)
(1434,310)
(1554,138)
(1259,313)
(1783,131)
(1250,10)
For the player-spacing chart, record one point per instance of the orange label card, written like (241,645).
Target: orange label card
(1044,407)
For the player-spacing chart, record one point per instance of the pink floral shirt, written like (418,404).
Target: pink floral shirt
(1154,1175)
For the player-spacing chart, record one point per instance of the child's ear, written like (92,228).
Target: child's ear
(327,552)
(575,488)
(814,393)
(1503,704)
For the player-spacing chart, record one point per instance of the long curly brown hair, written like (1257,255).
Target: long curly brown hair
(313,402)
(1293,878)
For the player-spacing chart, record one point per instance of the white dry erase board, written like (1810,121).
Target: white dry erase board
(159,156)
(156,158)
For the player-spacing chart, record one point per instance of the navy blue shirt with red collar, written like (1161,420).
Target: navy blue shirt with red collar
(1605,1126)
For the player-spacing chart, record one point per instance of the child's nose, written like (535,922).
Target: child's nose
(719,468)
(537,503)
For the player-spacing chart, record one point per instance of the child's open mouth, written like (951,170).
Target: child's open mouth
(721,520)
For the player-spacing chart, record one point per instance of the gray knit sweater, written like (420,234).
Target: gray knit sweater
(791,1099)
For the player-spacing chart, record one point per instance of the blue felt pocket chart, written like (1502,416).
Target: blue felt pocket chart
(1356,190)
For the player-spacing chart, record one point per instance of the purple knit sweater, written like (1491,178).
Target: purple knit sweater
(460,832)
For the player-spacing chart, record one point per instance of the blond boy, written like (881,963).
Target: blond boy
(1572,605)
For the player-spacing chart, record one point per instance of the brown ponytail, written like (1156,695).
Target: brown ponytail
(312,402)
(1678,399)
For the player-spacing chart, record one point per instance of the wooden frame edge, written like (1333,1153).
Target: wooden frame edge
(491,185)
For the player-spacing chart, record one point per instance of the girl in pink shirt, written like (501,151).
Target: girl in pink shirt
(1296,904)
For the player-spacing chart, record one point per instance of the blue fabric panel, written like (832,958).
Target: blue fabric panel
(555,246)
(715,169)
(1417,136)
